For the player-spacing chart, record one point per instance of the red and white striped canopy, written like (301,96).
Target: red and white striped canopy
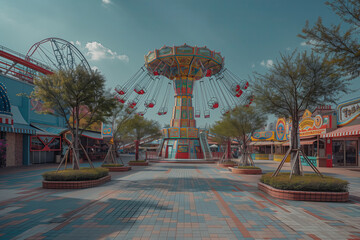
(343,132)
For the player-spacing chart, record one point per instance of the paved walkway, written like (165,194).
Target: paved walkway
(171,201)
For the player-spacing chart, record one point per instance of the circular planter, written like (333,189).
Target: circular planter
(304,195)
(118,169)
(245,171)
(138,163)
(75,184)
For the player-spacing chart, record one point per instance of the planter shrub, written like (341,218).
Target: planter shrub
(138,161)
(82,174)
(308,182)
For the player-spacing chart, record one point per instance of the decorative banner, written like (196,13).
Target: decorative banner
(106,130)
(280,129)
(348,112)
(313,125)
(263,135)
(174,132)
(193,132)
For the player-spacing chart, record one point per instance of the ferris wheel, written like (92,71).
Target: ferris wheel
(58,54)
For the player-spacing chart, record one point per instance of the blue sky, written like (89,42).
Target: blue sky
(114,35)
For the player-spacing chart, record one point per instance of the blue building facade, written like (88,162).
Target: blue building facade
(28,135)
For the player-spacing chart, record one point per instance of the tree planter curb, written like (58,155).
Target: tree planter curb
(226,165)
(118,169)
(304,195)
(75,184)
(245,171)
(139,163)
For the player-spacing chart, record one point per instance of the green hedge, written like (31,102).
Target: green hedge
(76,175)
(138,161)
(308,182)
(112,165)
(248,167)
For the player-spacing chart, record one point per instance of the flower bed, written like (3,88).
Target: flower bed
(309,187)
(72,179)
(304,195)
(246,170)
(138,163)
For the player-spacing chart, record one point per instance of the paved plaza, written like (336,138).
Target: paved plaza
(170,201)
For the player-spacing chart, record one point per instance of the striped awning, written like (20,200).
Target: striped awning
(302,142)
(93,135)
(264,143)
(18,128)
(343,132)
(48,129)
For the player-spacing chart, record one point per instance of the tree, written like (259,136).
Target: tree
(240,123)
(68,93)
(137,127)
(120,115)
(296,82)
(342,45)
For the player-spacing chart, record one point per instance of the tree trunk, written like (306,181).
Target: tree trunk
(245,153)
(136,150)
(76,155)
(229,149)
(295,144)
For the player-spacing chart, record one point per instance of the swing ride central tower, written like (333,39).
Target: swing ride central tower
(195,73)
(184,65)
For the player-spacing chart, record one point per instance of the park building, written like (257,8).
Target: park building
(29,133)
(329,137)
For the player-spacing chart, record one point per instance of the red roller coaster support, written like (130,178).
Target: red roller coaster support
(24,62)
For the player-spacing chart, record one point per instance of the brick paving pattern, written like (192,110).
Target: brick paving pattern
(171,201)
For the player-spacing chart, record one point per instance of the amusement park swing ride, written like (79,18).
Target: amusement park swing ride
(194,73)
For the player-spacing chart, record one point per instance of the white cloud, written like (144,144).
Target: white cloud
(268,63)
(106,1)
(94,68)
(311,42)
(97,52)
(252,65)
(288,48)
(76,43)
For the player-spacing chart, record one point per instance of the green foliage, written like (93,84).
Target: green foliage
(297,82)
(112,165)
(68,92)
(138,127)
(308,182)
(81,174)
(134,161)
(340,41)
(77,96)
(247,167)
(239,122)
